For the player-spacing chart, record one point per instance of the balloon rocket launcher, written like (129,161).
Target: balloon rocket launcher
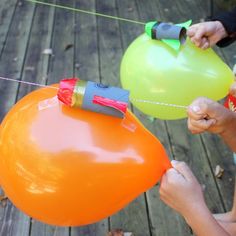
(109,100)
(93,96)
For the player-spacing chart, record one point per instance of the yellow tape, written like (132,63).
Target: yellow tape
(78,93)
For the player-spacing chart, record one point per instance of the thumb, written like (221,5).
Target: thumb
(183,169)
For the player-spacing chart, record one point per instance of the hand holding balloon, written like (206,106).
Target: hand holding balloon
(206,34)
(207,115)
(180,190)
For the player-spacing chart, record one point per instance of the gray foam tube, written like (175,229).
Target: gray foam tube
(114,93)
(169,31)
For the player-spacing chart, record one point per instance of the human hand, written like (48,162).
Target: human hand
(206,34)
(180,190)
(207,115)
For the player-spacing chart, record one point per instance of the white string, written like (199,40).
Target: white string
(131,99)
(28,83)
(158,103)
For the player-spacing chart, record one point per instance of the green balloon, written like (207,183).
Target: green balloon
(155,73)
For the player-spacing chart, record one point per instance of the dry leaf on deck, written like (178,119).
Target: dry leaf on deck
(219,171)
(47,51)
(68,46)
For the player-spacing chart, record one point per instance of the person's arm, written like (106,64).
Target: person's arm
(207,115)
(181,191)
(203,223)
(228,20)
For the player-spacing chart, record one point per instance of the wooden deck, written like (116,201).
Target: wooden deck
(91,47)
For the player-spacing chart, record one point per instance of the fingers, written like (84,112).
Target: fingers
(201,115)
(170,173)
(205,43)
(183,169)
(205,108)
(203,35)
(169,180)
(199,126)
(197,35)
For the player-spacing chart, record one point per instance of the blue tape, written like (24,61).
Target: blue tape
(115,93)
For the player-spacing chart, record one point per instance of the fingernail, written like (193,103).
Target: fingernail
(196,109)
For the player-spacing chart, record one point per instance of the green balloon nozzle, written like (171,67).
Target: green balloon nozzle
(149,27)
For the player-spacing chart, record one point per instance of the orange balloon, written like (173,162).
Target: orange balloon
(67,166)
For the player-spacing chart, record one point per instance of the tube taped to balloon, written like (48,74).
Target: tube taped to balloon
(161,30)
(93,96)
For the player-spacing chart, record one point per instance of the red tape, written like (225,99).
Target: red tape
(118,105)
(66,89)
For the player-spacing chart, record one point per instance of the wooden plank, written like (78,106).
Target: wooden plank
(13,222)
(97,229)
(7,9)
(223,5)
(41,229)
(110,48)
(133,218)
(62,45)
(36,63)
(13,54)
(55,67)
(86,67)
(219,154)
(128,31)
(86,43)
